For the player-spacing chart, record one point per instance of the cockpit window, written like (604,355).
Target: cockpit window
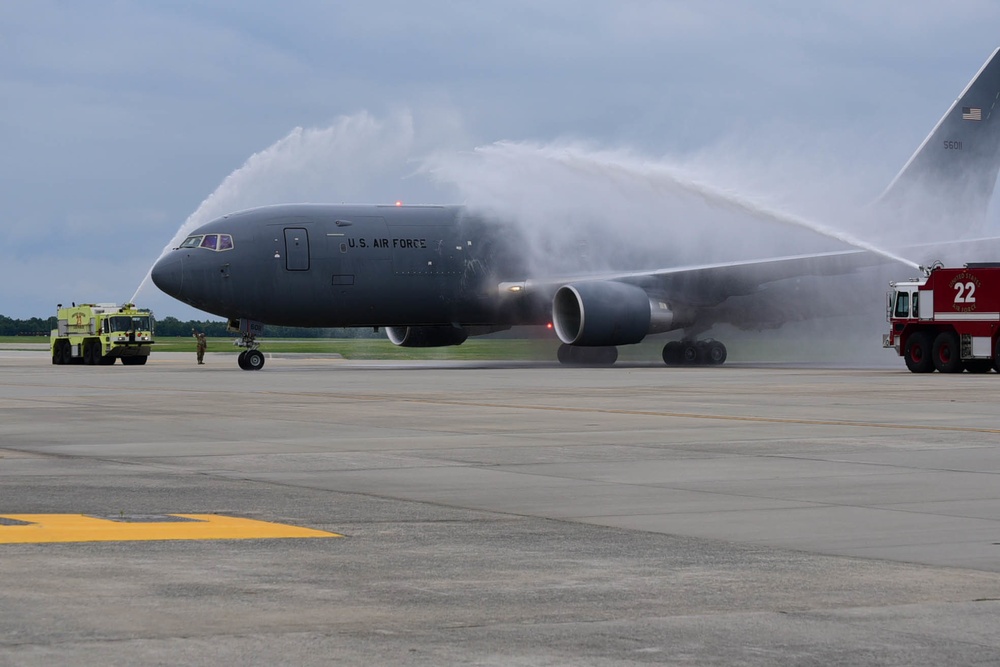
(216,242)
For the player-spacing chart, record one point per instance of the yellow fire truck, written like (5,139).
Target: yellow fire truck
(99,333)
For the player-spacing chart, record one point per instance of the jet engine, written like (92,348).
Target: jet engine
(426,336)
(608,313)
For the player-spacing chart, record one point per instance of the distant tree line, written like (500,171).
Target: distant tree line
(171,326)
(34,326)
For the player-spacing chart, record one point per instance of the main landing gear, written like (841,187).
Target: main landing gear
(675,353)
(250,359)
(694,353)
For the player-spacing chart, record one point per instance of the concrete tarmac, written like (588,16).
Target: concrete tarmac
(504,514)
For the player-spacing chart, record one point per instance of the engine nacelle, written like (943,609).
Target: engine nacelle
(426,336)
(608,313)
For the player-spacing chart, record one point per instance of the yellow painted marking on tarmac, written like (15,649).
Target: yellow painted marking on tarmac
(80,528)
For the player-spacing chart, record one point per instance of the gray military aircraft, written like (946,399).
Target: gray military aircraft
(435,275)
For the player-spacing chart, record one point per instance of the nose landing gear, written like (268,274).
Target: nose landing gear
(250,359)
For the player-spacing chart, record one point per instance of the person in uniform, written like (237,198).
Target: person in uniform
(202,343)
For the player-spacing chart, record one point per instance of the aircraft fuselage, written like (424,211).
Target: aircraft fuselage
(317,265)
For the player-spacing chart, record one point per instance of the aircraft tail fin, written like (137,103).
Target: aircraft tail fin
(952,174)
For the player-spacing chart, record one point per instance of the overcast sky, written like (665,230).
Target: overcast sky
(119,120)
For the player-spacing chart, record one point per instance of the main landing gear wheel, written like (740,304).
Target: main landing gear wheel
(714,353)
(691,353)
(688,352)
(251,360)
(575,355)
(672,353)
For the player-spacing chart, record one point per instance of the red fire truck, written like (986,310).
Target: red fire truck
(948,321)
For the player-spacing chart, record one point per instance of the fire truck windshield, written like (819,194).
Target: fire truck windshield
(124,323)
(902,305)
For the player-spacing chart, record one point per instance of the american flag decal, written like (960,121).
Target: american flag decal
(972,113)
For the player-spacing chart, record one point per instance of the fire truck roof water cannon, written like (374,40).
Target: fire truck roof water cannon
(949,320)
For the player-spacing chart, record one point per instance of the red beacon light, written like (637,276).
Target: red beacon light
(399,203)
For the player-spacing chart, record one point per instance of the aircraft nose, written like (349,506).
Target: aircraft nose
(168,274)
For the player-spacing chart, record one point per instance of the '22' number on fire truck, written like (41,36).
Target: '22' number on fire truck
(966,292)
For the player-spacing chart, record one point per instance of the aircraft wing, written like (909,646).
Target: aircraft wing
(712,283)
(708,285)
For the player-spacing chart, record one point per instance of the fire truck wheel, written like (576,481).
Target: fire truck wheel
(918,353)
(946,353)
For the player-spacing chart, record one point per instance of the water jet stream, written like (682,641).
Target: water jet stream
(358,155)
(662,178)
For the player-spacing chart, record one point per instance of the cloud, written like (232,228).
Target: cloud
(128,115)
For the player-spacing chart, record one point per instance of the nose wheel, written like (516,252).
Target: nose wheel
(251,360)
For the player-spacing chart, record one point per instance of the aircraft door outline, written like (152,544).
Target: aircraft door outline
(296,249)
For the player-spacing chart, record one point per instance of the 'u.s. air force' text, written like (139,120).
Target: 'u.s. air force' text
(387,243)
